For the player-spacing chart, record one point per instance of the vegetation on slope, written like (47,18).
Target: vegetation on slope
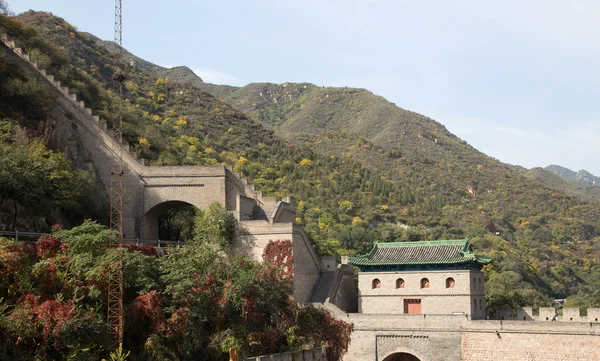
(37,185)
(570,186)
(361,168)
(192,304)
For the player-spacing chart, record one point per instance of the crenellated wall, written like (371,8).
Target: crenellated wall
(547,314)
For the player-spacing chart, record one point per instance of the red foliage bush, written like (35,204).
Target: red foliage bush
(30,248)
(178,323)
(147,250)
(148,308)
(280,254)
(249,307)
(48,320)
(48,246)
(317,327)
(12,257)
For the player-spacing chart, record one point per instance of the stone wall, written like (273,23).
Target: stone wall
(343,292)
(465,297)
(284,212)
(455,338)
(245,208)
(547,314)
(306,263)
(317,354)
(529,346)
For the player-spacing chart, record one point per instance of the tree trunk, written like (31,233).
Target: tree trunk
(14,223)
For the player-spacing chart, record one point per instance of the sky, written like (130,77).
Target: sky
(518,80)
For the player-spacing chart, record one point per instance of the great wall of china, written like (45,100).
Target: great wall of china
(387,337)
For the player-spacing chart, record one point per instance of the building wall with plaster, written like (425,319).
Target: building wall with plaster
(466,296)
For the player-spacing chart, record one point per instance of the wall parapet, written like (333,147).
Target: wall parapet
(316,354)
(548,314)
(462,323)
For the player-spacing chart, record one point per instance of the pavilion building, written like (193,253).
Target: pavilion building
(428,277)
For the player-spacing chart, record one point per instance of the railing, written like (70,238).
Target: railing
(33,236)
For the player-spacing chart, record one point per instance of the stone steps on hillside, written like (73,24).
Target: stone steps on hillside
(65,91)
(322,288)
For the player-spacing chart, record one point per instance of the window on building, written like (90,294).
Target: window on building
(399,283)
(376,283)
(424,283)
(479,282)
(474,282)
(450,282)
(481,304)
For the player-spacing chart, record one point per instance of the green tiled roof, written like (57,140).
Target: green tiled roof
(420,253)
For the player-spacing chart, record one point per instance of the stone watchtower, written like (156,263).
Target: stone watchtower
(430,277)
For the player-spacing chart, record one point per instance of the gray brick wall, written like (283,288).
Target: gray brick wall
(454,338)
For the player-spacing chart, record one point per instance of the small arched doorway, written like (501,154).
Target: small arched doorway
(401,356)
(169,221)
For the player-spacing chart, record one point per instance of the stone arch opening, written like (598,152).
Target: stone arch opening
(401,356)
(170,221)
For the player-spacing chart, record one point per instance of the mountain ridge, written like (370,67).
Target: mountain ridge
(581,175)
(179,73)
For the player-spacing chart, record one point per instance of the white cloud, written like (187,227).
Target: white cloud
(216,77)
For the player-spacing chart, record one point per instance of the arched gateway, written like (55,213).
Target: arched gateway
(402,356)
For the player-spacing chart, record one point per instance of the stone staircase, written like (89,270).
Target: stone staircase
(100,125)
(321,290)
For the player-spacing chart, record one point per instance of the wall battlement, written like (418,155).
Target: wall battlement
(548,313)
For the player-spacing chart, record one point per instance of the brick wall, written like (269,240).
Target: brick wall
(343,292)
(431,338)
(245,208)
(465,297)
(306,265)
(529,347)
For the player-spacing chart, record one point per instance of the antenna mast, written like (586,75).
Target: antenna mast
(115,317)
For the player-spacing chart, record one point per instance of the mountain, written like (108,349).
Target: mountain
(584,177)
(360,167)
(564,173)
(571,186)
(581,183)
(178,73)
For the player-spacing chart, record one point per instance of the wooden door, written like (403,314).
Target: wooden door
(412,307)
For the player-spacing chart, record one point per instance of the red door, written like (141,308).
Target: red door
(412,307)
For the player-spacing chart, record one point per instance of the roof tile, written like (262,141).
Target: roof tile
(419,253)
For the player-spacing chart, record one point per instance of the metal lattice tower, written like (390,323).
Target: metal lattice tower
(115,317)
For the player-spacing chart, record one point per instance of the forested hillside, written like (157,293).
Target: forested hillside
(361,168)
(572,186)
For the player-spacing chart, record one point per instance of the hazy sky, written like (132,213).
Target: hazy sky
(519,80)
